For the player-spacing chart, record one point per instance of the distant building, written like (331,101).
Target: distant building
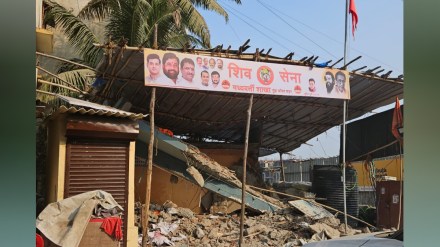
(301,170)
(271,171)
(294,170)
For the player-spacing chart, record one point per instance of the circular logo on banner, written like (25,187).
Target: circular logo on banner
(297,89)
(226,84)
(265,75)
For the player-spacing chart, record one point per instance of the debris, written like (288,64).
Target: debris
(331,221)
(64,222)
(349,232)
(318,237)
(206,223)
(255,229)
(250,222)
(169,204)
(215,233)
(286,227)
(314,211)
(199,233)
(366,230)
(196,175)
(172,211)
(179,238)
(165,228)
(329,231)
(157,238)
(185,212)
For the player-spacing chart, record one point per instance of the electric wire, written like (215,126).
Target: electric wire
(287,23)
(326,155)
(235,33)
(252,26)
(333,39)
(267,28)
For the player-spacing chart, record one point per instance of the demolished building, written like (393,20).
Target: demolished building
(214,123)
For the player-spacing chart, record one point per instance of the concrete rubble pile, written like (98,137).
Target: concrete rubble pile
(171,225)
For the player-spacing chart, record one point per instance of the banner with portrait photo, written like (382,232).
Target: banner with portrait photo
(191,71)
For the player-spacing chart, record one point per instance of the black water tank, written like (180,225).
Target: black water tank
(327,183)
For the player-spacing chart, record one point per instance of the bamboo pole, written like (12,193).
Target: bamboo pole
(155,46)
(44,92)
(377,149)
(243,183)
(314,202)
(283,178)
(59,78)
(58,85)
(65,60)
(149,172)
(146,216)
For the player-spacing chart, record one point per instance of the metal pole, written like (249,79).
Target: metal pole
(343,165)
(347,2)
(401,186)
(243,182)
(343,120)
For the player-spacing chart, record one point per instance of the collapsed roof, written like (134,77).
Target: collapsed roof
(278,123)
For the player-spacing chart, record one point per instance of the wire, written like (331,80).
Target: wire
(322,148)
(235,33)
(264,5)
(280,44)
(269,29)
(313,152)
(336,41)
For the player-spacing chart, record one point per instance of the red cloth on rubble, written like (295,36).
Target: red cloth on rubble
(96,220)
(113,227)
(40,241)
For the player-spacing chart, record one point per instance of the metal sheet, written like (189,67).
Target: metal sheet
(72,105)
(288,122)
(178,167)
(98,165)
(311,210)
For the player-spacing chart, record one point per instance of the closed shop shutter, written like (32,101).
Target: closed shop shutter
(99,164)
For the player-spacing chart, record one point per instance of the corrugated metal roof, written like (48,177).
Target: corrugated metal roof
(72,105)
(283,123)
(175,156)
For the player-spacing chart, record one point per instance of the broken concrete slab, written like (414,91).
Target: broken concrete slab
(310,209)
(269,229)
(329,231)
(178,168)
(176,156)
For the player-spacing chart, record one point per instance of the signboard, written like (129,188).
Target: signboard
(196,72)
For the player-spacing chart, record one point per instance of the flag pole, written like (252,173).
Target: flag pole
(343,120)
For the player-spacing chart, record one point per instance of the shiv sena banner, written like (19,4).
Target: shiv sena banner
(196,72)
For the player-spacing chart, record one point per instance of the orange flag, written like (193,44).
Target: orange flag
(397,121)
(354,16)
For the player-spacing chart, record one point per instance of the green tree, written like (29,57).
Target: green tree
(179,23)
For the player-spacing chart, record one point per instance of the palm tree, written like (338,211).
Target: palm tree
(179,23)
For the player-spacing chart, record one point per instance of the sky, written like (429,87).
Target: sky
(315,27)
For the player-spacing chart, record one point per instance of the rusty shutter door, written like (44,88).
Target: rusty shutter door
(99,164)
